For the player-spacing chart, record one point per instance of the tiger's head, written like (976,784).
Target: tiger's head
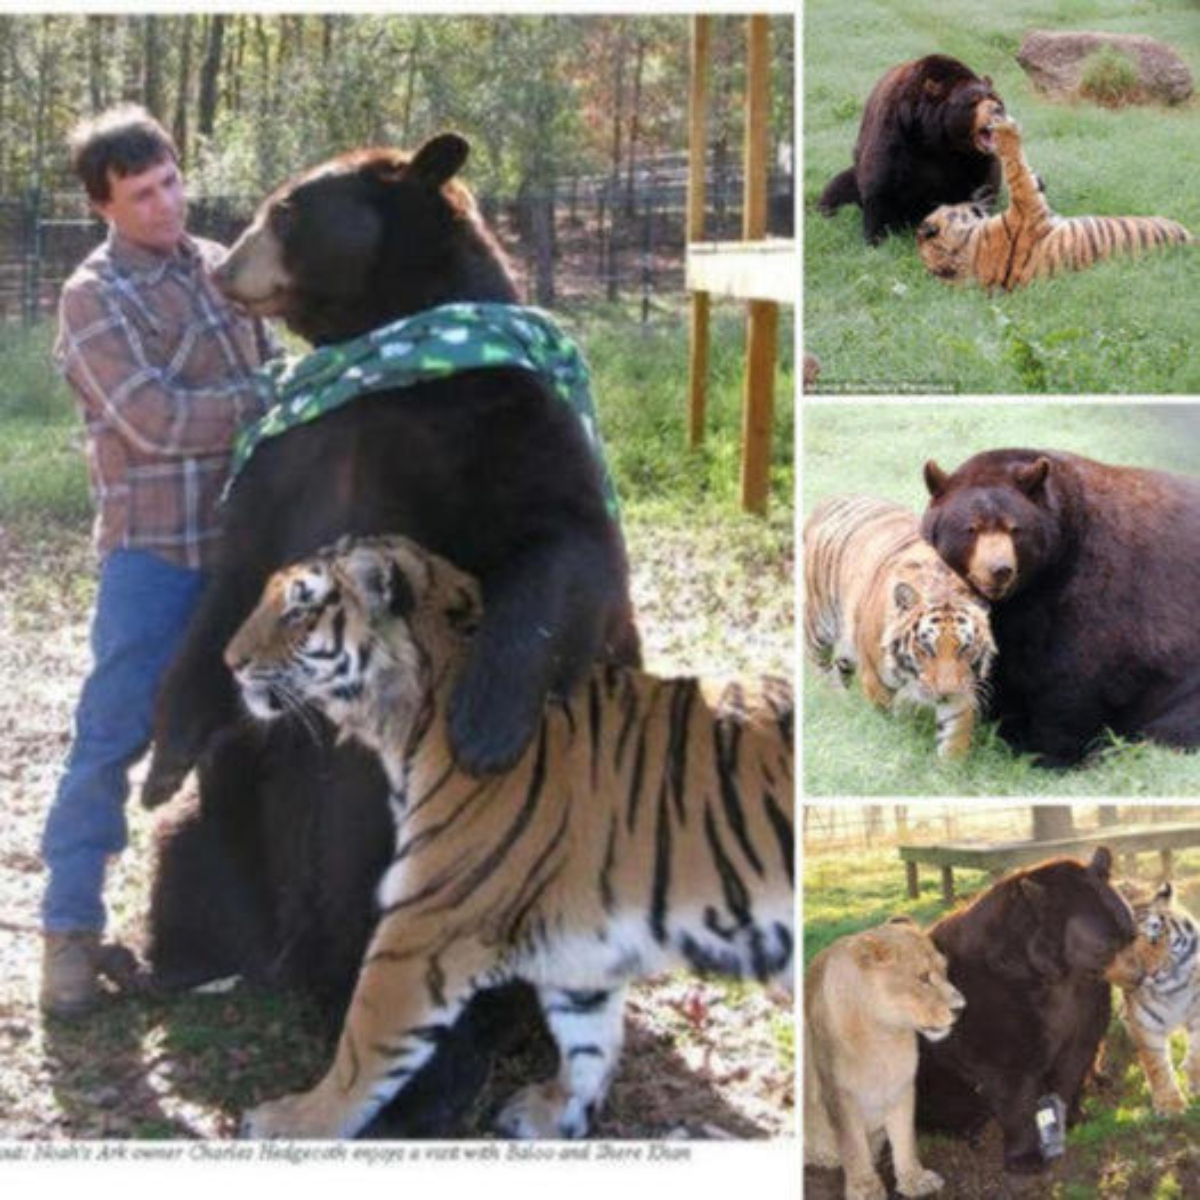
(937,641)
(1162,936)
(944,240)
(364,631)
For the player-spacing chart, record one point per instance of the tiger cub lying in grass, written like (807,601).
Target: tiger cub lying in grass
(880,602)
(1161,988)
(650,824)
(960,242)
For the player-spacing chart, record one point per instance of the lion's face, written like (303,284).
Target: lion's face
(904,980)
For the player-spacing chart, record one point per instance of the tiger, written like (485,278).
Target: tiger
(650,824)
(880,603)
(960,242)
(1165,994)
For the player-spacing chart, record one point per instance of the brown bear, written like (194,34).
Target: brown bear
(1028,956)
(923,142)
(273,875)
(1093,573)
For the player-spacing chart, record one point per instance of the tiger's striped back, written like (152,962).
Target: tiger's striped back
(961,242)
(648,825)
(1167,999)
(880,603)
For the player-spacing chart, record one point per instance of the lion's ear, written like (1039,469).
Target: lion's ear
(1032,476)
(935,479)
(871,951)
(903,919)
(1101,863)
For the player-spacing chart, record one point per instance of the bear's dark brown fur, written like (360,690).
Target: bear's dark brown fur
(922,143)
(273,874)
(1027,955)
(1093,572)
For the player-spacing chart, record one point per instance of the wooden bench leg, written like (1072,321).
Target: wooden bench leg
(1168,863)
(910,871)
(759,404)
(948,884)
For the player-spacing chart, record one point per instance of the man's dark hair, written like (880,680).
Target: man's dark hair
(126,140)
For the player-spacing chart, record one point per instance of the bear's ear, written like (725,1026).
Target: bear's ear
(933,88)
(1035,893)
(1101,863)
(905,596)
(1030,478)
(987,82)
(440,158)
(935,479)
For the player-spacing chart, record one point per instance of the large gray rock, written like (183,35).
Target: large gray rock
(1054,62)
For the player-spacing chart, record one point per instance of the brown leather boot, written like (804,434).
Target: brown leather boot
(69,981)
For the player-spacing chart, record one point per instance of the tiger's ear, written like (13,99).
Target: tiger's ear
(905,596)
(1165,892)
(378,581)
(926,230)
(1032,476)
(935,479)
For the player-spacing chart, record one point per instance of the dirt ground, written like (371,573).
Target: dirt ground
(701,1059)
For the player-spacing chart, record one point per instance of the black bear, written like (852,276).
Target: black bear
(1028,955)
(923,142)
(1093,572)
(274,874)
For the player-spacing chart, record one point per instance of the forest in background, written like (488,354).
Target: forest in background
(250,97)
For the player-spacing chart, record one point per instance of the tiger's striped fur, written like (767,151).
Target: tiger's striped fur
(650,824)
(960,242)
(1167,998)
(880,602)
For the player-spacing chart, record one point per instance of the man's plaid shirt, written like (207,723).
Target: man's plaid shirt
(162,367)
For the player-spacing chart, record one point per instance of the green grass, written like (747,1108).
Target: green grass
(851,748)
(640,385)
(879,322)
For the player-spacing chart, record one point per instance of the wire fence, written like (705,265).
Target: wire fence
(591,238)
(835,828)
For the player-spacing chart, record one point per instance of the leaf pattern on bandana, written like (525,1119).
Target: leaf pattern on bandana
(429,345)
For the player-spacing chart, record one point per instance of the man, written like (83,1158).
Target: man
(161,367)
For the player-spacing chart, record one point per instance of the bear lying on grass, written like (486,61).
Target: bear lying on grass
(1093,572)
(274,875)
(923,142)
(1028,956)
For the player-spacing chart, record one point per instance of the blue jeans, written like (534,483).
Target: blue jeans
(142,609)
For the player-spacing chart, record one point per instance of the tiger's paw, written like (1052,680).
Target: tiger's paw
(922,1182)
(1006,131)
(1169,1102)
(296,1116)
(543,1110)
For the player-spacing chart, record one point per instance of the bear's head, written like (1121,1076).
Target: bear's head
(365,239)
(1060,918)
(955,104)
(995,520)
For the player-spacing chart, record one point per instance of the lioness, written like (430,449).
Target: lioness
(866,998)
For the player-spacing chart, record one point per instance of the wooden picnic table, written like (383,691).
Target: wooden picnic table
(997,858)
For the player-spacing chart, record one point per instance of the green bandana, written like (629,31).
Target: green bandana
(430,345)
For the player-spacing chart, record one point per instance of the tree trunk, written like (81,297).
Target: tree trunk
(152,96)
(179,126)
(97,87)
(210,72)
(639,64)
(543,245)
(326,38)
(1052,821)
